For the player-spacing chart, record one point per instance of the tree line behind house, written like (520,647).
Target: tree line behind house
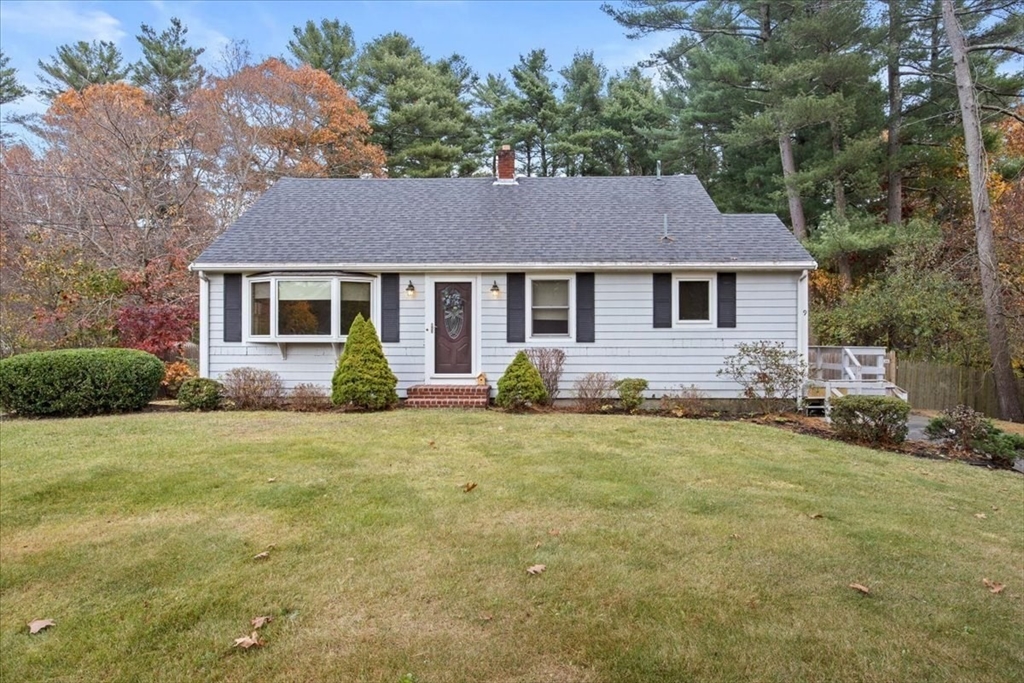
(841,117)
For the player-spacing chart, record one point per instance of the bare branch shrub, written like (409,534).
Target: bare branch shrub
(769,373)
(593,391)
(253,389)
(687,402)
(549,364)
(309,398)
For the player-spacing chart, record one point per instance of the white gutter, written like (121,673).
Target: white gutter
(803,317)
(204,324)
(510,267)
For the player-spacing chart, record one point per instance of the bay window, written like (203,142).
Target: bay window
(310,308)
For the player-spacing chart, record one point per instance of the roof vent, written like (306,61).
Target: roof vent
(665,237)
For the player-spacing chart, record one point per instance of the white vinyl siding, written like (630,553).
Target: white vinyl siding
(626,343)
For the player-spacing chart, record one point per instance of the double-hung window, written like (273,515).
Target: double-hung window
(309,308)
(550,307)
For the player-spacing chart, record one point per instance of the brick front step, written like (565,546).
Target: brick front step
(448,396)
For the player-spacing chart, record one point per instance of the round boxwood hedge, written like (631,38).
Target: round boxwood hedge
(79,382)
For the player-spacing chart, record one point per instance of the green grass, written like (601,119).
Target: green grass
(685,551)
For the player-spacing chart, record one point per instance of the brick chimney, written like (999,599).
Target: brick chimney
(506,165)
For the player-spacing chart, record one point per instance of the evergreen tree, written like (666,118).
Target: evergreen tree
(636,113)
(169,70)
(583,144)
(78,66)
(329,47)
(10,89)
(420,109)
(363,378)
(534,112)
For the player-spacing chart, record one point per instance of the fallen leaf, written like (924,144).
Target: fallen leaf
(995,508)
(536,569)
(486,617)
(860,587)
(537,544)
(993,586)
(981,515)
(816,515)
(734,535)
(271,480)
(468,486)
(554,532)
(39,624)
(261,556)
(245,642)
(260,622)
(432,444)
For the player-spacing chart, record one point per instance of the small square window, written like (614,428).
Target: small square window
(694,301)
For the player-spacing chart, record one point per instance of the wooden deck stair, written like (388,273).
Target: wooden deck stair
(448,396)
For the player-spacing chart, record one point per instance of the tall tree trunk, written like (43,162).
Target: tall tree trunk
(998,341)
(796,205)
(894,203)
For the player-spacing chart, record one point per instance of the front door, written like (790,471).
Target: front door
(453,328)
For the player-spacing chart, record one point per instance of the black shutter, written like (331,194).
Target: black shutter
(389,303)
(232,307)
(515,313)
(727,299)
(584,307)
(663,299)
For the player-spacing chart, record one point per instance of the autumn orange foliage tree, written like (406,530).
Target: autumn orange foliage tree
(271,120)
(99,227)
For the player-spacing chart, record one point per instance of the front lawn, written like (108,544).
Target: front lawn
(675,551)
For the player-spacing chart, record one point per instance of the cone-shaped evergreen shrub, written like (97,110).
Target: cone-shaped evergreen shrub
(521,386)
(363,378)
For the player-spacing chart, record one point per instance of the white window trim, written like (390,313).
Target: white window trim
(571,279)
(712,280)
(336,335)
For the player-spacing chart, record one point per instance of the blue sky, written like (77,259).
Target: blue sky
(491,35)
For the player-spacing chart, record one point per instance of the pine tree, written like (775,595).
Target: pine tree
(420,109)
(78,66)
(534,112)
(10,89)
(169,70)
(329,47)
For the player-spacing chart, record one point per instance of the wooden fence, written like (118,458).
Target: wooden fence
(934,386)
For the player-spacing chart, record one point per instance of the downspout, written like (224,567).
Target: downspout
(204,324)
(803,326)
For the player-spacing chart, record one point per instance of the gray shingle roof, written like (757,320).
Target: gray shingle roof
(593,220)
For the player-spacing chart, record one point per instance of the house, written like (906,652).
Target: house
(633,276)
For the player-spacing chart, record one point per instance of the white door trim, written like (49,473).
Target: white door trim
(430,376)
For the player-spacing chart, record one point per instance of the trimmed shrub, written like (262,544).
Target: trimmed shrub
(79,382)
(200,393)
(549,362)
(1002,448)
(879,420)
(253,389)
(309,398)
(174,374)
(363,378)
(631,393)
(521,386)
(593,391)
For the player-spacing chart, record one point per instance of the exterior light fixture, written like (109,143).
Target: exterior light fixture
(410,291)
(495,290)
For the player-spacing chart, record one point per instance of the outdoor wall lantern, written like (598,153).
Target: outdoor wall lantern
(495,290)
(410,290)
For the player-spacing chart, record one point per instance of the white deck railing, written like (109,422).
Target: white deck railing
(834,371)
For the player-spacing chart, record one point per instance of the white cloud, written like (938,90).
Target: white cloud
(60,21)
